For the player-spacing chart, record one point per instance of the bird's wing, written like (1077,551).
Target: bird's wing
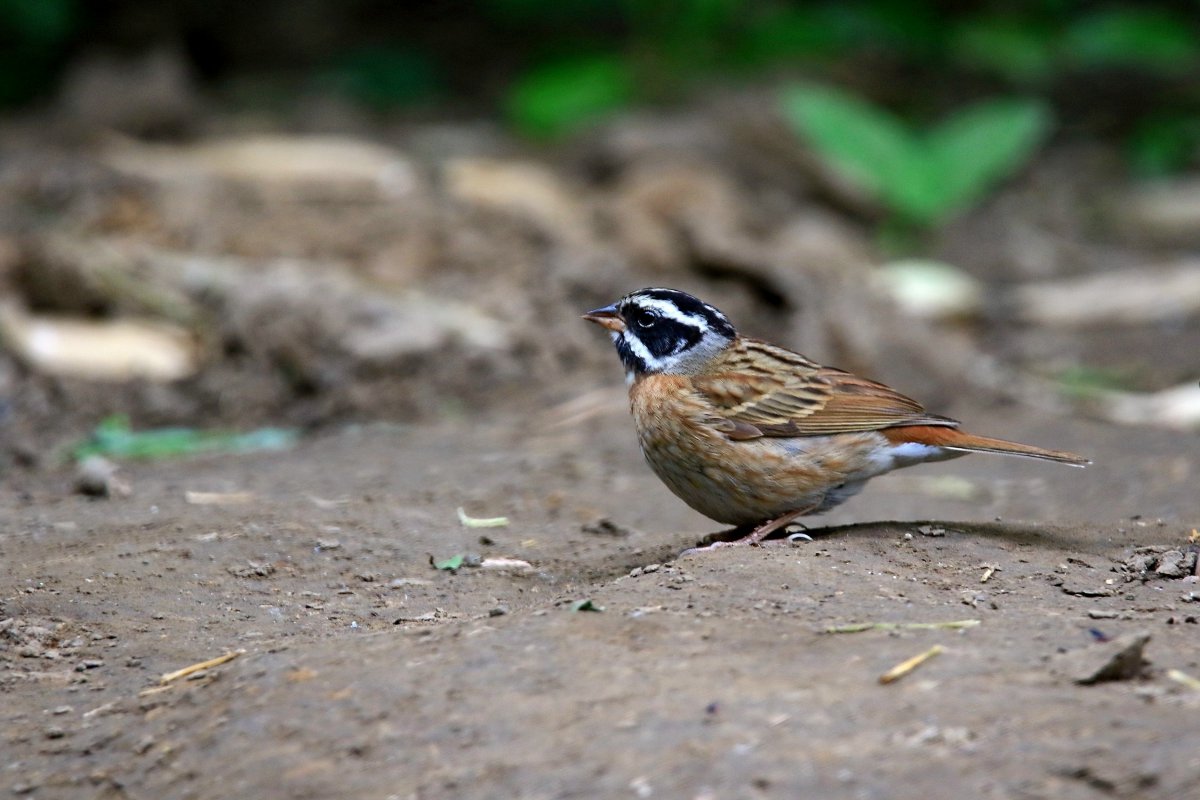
(781,393)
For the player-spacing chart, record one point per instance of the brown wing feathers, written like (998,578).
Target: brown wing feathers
(763,390)
(781,393)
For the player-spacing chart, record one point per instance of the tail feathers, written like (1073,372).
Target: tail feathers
(954,439)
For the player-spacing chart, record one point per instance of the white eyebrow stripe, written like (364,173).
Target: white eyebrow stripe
(671,311)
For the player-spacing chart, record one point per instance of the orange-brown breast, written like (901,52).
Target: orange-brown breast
(738,481)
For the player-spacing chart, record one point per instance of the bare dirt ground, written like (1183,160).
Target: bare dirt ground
(443,289)
(365,672)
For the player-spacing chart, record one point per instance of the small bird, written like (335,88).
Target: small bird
(754,435)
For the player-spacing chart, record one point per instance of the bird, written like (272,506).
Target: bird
(754,435)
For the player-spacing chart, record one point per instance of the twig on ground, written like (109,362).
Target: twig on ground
(859,627)
(904,667)
(194,668)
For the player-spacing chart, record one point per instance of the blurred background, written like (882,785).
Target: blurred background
(271,217)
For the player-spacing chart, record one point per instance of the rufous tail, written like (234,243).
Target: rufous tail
(954,439)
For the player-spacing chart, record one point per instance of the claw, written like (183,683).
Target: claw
(755,536)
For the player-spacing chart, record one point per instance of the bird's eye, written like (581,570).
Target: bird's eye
(644,319)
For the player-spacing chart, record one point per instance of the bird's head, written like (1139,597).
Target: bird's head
(664,331)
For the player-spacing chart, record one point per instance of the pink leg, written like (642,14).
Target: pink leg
(755,536)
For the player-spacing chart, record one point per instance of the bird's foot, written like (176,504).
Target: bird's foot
(755,535)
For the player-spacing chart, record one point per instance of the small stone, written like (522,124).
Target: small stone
(1170,564)
(253,569)
(54,732)
(472,560)
(96,476)
(635,572)
(931,530)
(1115,660)
(1086,590)
(498,611)
(60,710)
(1096,613)
(31,650)
(651,568)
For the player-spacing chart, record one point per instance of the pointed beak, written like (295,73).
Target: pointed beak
(606,318)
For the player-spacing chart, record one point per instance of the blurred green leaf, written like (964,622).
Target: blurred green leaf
(564,96)
(867,145)
(1150,38)
(114,438)
(450,564)
(926,178)
(982,144)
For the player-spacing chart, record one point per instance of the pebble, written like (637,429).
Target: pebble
(1171,564)
(1082,590)
(1115,660)
(498,611)
(1096,613)
(96,476)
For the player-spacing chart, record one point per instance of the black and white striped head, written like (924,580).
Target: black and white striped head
(664,331)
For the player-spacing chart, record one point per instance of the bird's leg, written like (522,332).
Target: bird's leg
(756,535)
(767,528)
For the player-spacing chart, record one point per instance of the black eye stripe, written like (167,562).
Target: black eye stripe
(688,306)
(662,326)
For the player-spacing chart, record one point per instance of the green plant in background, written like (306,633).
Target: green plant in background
(560,65)
(921,177)
(563,96)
